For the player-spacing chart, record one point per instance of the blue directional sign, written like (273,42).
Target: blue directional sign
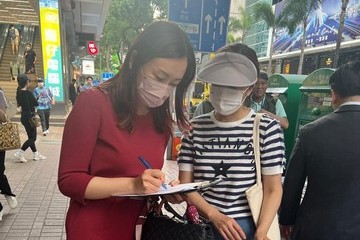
(205,21)
(106,75)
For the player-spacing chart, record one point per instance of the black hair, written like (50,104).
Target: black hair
(73,80)
(89,77)
(22,80)
(244,50)
(161,39)
(263,75)
(345,81)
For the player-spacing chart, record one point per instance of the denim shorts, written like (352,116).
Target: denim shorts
(247,225)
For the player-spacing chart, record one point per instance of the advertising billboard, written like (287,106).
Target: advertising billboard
(51,47)
(322,27)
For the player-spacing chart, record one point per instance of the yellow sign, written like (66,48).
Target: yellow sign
(51,47)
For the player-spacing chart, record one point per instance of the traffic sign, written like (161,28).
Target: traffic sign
(106,75)
(205,21)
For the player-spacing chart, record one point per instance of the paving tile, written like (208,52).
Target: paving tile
(41,210)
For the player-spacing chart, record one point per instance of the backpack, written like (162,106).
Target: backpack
(12,33)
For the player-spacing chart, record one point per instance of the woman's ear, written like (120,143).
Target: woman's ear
(132,59)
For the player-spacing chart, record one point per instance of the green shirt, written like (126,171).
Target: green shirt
(280,111)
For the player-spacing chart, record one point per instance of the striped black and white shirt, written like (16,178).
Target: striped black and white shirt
(216,149)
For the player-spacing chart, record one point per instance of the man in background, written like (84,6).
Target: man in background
(88,84)
(30,59)
(73,91)
(327,153)
(261,102)
(45,99)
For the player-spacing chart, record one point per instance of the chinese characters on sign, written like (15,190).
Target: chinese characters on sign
(92,49)
(51,47)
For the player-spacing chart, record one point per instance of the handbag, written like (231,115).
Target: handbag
(254,194)
(9,136)
(34,121)
(158,226)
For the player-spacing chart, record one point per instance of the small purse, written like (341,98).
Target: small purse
(254,194)
(9,136)
(158,226)
(34,121)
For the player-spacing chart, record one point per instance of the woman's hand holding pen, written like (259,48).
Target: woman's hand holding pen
(175,198)
(149,181)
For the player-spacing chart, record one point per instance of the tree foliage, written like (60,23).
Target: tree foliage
(125,21)
(239,26)
(297,12)
(264,11)
(344,4)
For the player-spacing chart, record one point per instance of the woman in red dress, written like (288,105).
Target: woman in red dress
(110,126)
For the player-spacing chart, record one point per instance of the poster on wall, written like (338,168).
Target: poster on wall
(323,25)
(87,67)
(51,47)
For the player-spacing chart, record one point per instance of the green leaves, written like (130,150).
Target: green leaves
(263,10)
(239,25)
(125,21)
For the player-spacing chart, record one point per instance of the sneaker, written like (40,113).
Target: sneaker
(20,155)
(47,131)
(38,156)
(11,201)
(44,133)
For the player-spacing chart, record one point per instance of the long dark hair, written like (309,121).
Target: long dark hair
(159,40)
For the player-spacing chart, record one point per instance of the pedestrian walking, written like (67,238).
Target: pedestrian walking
(27,102)
(14,37)
(45,100)
(30,59)
(4,183)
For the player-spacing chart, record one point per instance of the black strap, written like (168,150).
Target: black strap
(168,208)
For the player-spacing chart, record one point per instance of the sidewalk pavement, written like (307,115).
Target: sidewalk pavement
(41,210)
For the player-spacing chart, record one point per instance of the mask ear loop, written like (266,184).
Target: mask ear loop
(250,90)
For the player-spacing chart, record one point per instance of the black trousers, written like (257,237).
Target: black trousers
(30,131)
(4,183)
(44,115)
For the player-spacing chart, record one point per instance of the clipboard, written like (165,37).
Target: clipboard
(181,188)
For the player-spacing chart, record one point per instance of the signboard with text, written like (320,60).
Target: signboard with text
(106,75)
(51,47)
(322,26)
(205,21)
(87,67)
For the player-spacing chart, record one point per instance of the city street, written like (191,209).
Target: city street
(41,209)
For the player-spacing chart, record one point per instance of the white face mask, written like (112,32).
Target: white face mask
(152,92)
(226,100)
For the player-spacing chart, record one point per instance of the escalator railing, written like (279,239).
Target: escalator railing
(4,30)
(27,36)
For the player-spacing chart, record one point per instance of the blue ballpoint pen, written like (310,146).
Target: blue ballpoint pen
(148,166)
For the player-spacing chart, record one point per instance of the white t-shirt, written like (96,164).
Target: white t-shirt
(224,149)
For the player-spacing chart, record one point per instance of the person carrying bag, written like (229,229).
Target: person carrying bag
(27,102)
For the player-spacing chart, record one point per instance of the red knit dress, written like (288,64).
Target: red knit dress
(93,145)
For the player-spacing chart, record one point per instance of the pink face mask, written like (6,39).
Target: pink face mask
(152,92)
